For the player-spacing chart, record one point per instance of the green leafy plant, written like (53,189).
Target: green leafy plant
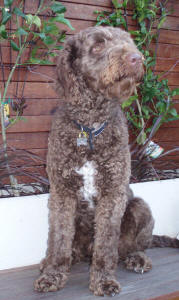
(153,96)
(42,36)
(152,105)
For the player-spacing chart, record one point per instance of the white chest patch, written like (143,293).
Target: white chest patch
(88,190)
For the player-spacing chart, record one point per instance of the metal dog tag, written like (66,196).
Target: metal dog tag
(82,139)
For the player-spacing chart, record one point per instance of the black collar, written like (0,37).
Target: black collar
(90,131)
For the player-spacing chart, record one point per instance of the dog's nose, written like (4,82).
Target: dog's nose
(134,58)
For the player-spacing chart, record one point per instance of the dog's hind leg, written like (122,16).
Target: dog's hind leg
(55,267)
(138,261)
(136,236)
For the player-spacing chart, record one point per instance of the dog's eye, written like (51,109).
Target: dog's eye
(97,48)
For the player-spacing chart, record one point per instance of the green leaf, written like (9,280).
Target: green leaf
(53,54)
(146,53)
(39,61)
(161,106)
(19,12)
(146,110)
(141,138)
(21,31)
(41,35)
(36,21)
(151,64)
(175,92)
(61,19)
(161,22)
(57,7)
(8,3)
(173,112)
(105,21)
(5,16)
(143,27)
(2,28)
(48,40)
(172,119)
(3,32)
(30,19)
(34,51)
(129,101)
(59,47)
(4,35)
(135,32)
(14,46)
(124,4)
(62,37)
(51,28)
(116,4)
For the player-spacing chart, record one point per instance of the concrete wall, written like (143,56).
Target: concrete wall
(24,221)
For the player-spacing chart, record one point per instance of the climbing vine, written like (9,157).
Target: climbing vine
(152,105)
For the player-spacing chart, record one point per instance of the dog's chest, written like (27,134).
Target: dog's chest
(88,190)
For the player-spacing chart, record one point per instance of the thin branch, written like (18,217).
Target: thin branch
(170,70)
(170,151)
(41,74)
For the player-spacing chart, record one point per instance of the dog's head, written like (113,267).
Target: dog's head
(106,59)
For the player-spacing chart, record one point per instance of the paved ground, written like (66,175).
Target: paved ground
(161,280)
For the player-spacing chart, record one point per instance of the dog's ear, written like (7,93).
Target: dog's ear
(66,78)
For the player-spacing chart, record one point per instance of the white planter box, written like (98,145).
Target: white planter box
(24,221)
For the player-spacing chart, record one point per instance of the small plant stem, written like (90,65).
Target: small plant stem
(141,117)
(13,180)
(146,37)
(140,113)
(11,73)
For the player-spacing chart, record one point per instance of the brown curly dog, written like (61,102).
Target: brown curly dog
(91,210)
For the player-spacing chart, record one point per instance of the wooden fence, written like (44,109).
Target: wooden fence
(41,99)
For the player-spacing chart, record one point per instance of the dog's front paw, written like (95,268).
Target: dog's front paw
(138,262)
(49,282)
(107,286)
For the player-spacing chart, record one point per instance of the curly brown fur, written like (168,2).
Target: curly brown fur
(98,69)
(135,236)
(164,241)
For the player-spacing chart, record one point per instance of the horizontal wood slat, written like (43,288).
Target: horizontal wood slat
(105,3)
(32,124)
(165,50)
(169,36)
(32,90)
(28,140)
(167,134)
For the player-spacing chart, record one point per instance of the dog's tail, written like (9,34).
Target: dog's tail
(164,241)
